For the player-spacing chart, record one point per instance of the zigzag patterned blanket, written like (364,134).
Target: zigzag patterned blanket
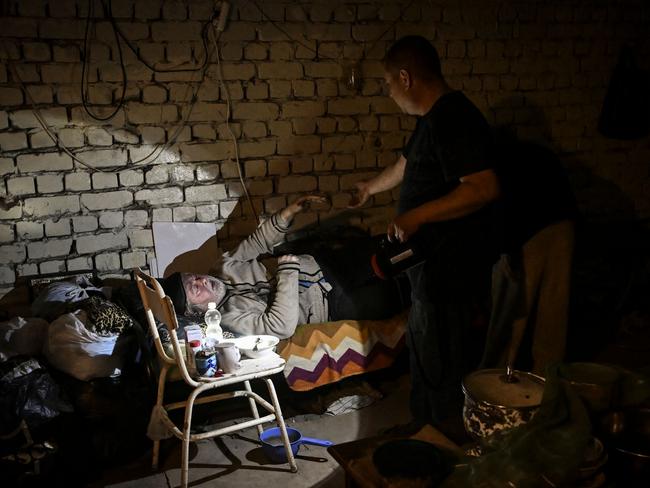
(319,354)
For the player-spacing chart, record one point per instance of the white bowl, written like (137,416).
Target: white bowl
(265,345)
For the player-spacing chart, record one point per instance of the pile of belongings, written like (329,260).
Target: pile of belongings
(75,326)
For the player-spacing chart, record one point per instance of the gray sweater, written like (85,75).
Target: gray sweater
(256,303)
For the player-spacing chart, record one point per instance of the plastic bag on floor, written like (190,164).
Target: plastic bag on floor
(349,404)
(56,297)
(20,336)
(73,349)
(28,392)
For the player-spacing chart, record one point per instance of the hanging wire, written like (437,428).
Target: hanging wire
(215,38)
(119,38)
(379,38)
(204,40)
(306,46)
(309,48)
(144,161)
(157,151)
(85,57)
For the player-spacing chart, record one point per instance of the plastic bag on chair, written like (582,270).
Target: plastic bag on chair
(157,430)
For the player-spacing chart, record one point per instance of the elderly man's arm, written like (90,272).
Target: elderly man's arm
(281,317)
(271,232)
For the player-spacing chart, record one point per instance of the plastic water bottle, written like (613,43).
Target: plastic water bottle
(213,321)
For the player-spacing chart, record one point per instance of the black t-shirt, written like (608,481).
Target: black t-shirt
(535,191)
(451,141)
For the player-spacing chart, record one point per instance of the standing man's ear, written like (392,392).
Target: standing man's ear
(405,79)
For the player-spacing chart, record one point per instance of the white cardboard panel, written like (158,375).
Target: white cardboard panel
(187,247)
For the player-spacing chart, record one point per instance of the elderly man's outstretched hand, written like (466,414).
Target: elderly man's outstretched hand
(301,204)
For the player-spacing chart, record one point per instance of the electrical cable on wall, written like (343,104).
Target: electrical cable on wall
(315,51)
(217,30)
(85,57)
(218,25)
(144,161)
(158,150)
(354,79)
(120,36)
(136,52)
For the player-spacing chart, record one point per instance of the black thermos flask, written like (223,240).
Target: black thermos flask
(392,258)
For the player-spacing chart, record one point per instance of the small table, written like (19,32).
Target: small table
(355,458)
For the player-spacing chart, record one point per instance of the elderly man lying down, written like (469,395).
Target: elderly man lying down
(332,284)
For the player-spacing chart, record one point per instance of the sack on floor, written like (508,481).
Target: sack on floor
(22,336)
(28,392)
(74,349)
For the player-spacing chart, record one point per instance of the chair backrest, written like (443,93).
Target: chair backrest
(159,307)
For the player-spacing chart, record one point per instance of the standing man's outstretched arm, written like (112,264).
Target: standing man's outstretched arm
(388,179)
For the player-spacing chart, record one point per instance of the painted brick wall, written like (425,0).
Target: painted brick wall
(541,67)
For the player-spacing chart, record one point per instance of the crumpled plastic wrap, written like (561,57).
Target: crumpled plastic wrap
(28,392)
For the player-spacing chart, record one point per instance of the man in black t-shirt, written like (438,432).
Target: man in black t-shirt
(448,185)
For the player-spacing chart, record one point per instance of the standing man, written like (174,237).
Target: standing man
(447,183)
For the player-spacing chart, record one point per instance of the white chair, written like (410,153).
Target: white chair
(159,307)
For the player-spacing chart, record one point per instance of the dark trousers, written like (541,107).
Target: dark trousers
(439,356)
(356,294)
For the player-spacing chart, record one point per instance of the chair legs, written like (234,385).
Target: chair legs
(281,425)
(187,432)
(253,404)
(156,453)
(159,404)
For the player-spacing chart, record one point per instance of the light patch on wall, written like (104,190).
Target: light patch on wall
(183,246)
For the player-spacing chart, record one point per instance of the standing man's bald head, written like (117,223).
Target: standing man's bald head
(416,55)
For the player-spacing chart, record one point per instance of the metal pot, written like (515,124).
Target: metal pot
(595,383)
(496,402)
(627,434)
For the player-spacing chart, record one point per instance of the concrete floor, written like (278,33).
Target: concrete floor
(238,460)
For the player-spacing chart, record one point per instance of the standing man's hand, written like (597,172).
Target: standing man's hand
(361,195)
(299,205)
(403,227)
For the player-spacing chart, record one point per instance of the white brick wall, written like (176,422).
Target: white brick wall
(544,70)
(91,244)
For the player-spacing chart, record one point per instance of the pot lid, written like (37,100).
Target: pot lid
(489,385)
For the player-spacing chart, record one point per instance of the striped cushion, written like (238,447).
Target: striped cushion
(319,354)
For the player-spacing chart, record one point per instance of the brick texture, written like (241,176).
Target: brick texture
(167,154)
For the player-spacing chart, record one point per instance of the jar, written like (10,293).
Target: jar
(206,362)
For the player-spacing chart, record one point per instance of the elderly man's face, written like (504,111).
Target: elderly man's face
(202,289)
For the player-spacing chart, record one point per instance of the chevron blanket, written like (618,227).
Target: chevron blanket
(320,354)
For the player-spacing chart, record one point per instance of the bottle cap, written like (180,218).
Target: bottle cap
(212,305)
